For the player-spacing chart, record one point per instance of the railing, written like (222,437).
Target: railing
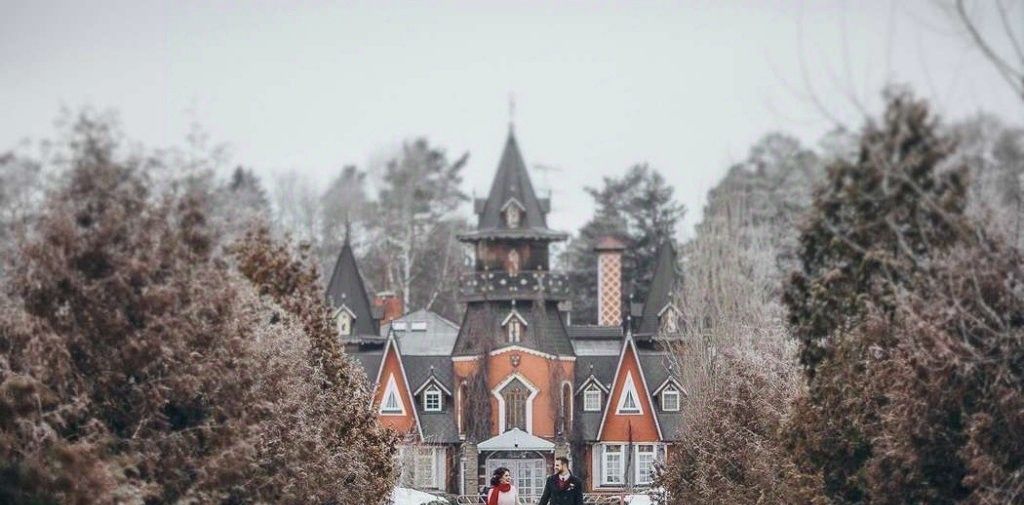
(527,284)
(588,499)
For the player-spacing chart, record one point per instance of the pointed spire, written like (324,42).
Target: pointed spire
(346,289)
(663,285)
(512,187)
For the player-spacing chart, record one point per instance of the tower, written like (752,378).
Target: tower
(512,294)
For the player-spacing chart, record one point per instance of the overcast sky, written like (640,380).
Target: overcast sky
(598,86)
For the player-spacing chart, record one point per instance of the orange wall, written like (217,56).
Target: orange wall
(401,423)
(616,427)
(537,370)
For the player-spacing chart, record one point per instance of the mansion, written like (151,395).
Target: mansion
(515,383)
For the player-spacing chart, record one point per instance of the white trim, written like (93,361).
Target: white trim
(515,313)
(521,349)
(592,379)
(346,309)
(667,306)
(465,358)
(391,390)
(636,463)
(599,400)
(432,390)
(510,201)
(427,382)
(622,356)
(678,395)
(393,345)
(629,391)
(670,380)
(572,402)
(604,465)
(496,392)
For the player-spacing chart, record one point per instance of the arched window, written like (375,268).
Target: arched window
(463,408)
(513,262)
(566,408)
(512,216)
(515,395)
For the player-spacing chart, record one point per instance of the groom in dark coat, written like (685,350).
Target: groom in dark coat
(562,488)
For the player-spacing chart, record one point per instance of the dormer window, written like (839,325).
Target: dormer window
(432,399)
(668,319)
(344,320)
(512,216)
(513,213)
(670,399)
(515,331)
(514,325)
(592,399)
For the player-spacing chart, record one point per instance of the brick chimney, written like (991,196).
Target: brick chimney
(390,306)
(609,280)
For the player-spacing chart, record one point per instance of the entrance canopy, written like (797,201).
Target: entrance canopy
(516,440)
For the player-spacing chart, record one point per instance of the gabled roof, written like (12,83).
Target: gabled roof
(628,346)
(512,182)
(515,440)
(407,397)
(663,284)
(346,289)
(423,333)
(544,330)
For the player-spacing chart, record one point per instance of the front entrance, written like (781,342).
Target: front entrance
(528,469)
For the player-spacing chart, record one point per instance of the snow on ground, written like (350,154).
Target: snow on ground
(403,496)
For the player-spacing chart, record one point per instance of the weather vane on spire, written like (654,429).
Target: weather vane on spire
(511,111)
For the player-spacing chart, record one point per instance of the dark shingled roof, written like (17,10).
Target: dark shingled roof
(438,427)
(419,368)
(370,362)
(594,331)
(346,288)
(663,285)
(545,331)
(512,181)
(603,369)
(658,367)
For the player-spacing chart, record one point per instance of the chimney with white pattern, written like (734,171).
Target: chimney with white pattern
(609,280)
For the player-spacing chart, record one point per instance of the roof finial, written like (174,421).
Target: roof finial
(511,112)
(348,229)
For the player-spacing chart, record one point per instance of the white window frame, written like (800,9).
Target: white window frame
(629,390)
(412,458)
(433,393)
(515,331)
(607,477)
(667,392)
(391,391)
(592,394)
(650,454)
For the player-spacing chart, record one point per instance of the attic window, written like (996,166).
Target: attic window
(668,319)
(629,401)
(391,404)
(344,322)
(512,216)
(514,324)
(515,330)
(432,399)
(592,399)
(670,399)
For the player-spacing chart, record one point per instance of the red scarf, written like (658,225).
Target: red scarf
(500,488)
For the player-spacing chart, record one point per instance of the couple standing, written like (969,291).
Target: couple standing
(562,488)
